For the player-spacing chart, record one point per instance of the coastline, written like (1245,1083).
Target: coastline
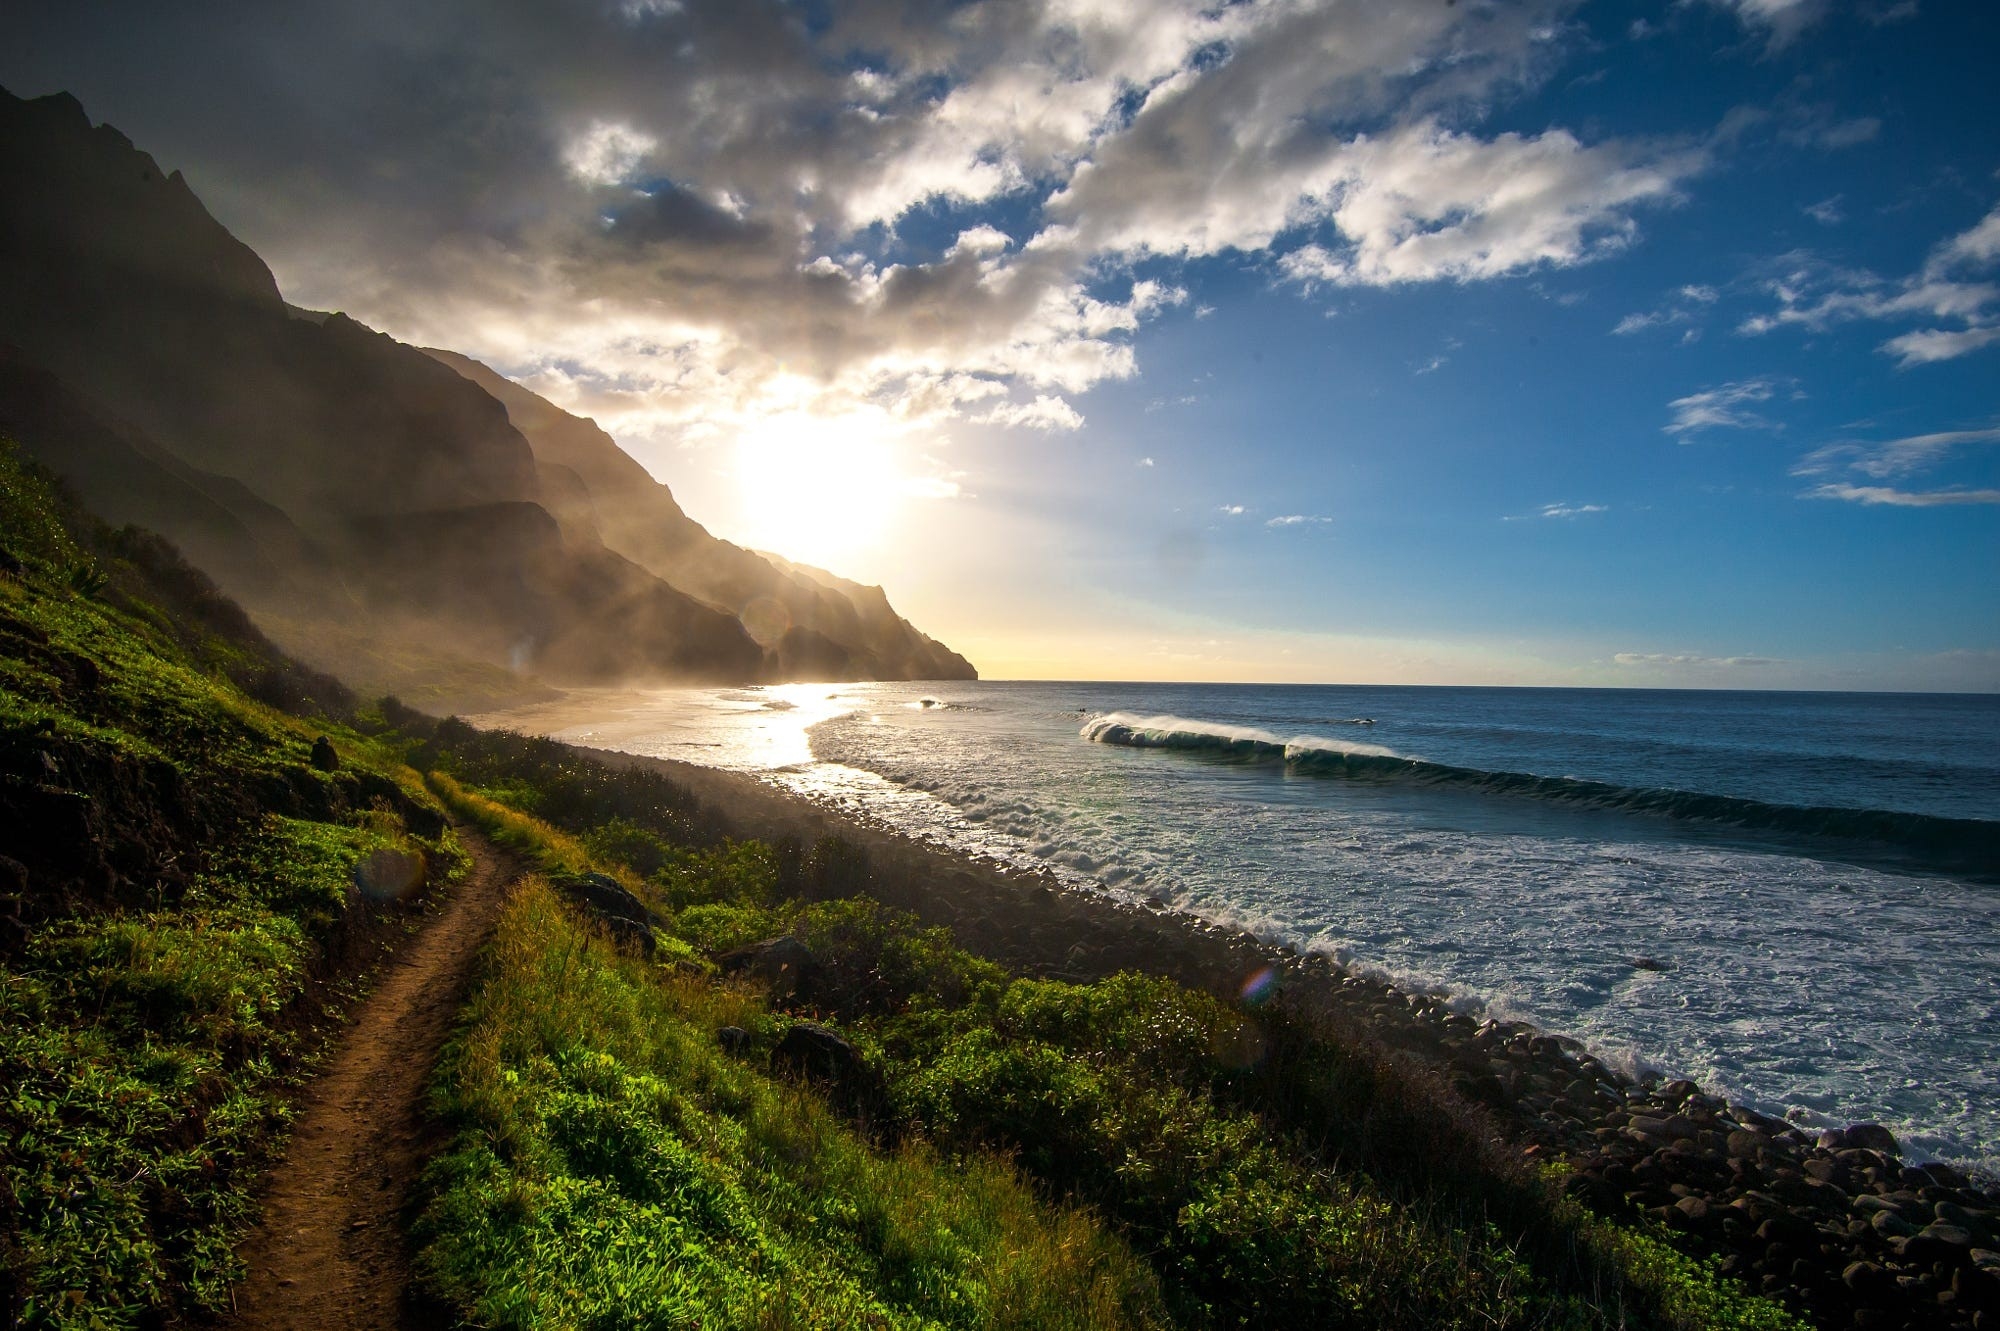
(1836,1217)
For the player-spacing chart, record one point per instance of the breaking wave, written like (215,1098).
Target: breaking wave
(1959,845)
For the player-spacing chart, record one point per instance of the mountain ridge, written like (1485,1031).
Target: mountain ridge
(325,473)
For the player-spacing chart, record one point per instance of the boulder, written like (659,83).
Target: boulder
(816,1051)
(733,1039)
(607,901)
(785,963)
(324,759)
(1891,1226)
(1872,1137)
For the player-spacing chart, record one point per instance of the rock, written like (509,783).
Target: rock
(324,759)
(1872,1137)
(1678,1090)
(607,901)
(816,1051)
(1891,1226)
(1693,1210)
(733,1039)
(1744,1145)
(785,963)
(1865,1278)
(1944,1176)
(1952,1236)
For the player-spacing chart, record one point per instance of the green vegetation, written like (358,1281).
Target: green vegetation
(1267,1175)
(175,895)
(880,1130)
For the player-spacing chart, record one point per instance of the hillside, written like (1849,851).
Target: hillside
(698,1081)
(331,477)
(816,625)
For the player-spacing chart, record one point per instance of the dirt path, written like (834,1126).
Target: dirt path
(330,1252)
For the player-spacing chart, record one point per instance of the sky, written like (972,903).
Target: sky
(1629,344)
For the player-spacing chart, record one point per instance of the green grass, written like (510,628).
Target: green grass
(161,999)
(612,1167)
(1299,1187)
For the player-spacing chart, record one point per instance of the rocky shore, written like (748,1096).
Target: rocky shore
(1836,1225)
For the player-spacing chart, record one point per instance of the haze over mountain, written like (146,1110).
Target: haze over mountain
(330,476)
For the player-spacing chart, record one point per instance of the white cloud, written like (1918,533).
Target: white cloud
(1694,660)
(1723,407)
(1891,459)
(1296,520)
(1424,204)
(1882,494)
(1684,306)
(1231,510)
(1145,462)
(1935,344)
(1826,212)
(1780,20)
(1044,413)
(607,153)
(1814,297)
(1895,457)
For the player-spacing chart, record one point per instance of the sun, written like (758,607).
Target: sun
(818,489)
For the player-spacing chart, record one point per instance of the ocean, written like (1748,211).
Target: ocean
(1792,898)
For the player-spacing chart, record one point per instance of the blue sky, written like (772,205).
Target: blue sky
(1650,344)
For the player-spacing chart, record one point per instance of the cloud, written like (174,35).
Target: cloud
(1296,520)
(1684,306)
(1894,457)
(1781,21)
(1685,660)
(1145,462)
(1826,212)
(1425,204)
(1044,413)
(606,153)
(1891,459)
(1816,297)
(1723,407)
(1231,510)
(1882,494)
(1558,511)
(685,218)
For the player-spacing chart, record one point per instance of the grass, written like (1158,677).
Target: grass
(1294,1184)
(179,930)
(612,1167)
(180,908)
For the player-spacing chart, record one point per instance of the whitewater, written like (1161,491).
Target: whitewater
(1793,899)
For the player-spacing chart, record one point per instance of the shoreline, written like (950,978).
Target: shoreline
(1835,1220)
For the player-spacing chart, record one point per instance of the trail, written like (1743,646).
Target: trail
(331,1252)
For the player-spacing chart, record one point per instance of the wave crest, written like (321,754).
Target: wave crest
(1964,845)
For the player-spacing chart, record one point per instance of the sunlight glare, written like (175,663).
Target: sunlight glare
(817,489)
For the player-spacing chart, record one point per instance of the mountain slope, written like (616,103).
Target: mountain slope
(817,624)
(322,472)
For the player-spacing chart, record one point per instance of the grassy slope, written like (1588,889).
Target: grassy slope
(180,906)
(1006,1152)
(1214,1141)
